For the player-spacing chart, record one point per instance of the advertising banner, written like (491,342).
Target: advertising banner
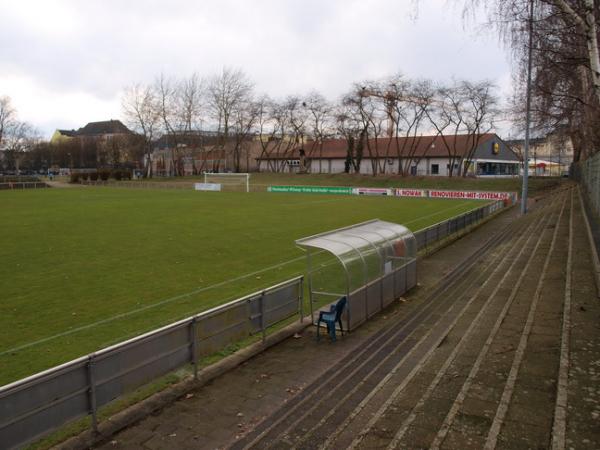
(407,192)
(207,186)
(372,191)
(340,190)
(471,195)
(398,192)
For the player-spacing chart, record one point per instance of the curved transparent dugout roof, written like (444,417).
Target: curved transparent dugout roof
(367,250)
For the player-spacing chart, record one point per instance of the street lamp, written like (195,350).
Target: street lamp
(528,115)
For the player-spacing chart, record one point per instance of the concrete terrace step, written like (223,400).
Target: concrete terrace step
(470,364)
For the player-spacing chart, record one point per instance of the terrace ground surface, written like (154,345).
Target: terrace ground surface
(505,356)
(84,268)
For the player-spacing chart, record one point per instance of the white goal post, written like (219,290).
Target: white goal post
(229,179)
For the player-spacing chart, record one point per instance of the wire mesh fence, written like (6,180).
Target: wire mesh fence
(588,173)
(23,185)
(440,231)
(37,405)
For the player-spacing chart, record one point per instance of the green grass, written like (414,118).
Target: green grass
(261,180)
(119,262)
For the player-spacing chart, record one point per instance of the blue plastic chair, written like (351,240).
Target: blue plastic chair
(331,317)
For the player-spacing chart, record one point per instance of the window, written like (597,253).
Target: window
(413,170)
(435,169)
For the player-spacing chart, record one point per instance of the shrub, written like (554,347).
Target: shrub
(84,176)
(94,176)
(117,175)
(74,178)
(126,174)
(104,174)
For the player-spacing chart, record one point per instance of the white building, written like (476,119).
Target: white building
(480,155)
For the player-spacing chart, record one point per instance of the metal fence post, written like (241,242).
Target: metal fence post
(92,393)
(310,290)
(262,317)
(194,347)
(393,272)
(301,299)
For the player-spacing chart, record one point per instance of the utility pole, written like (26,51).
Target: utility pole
(528,115)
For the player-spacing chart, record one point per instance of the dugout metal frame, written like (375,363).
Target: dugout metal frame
(379,261)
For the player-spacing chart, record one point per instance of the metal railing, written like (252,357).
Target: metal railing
(588,172)
(188,185)
(35,406)
(378,294)
(439,231)
(368,300)
(23,185)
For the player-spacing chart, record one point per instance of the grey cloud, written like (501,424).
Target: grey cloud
(287,47)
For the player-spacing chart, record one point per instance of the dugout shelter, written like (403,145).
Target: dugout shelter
(371,263)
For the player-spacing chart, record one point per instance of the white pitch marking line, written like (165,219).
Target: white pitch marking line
(442,370)
(560,411)
(144,308)
(178,297)
(353,371)
(460,398)
(494,431)
(417,367)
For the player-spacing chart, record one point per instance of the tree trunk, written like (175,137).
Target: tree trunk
(592,43)
(588,26)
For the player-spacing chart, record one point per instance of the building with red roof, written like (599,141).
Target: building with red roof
(437,155)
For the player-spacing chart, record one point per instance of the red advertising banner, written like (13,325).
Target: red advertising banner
(472,195)
(402,192)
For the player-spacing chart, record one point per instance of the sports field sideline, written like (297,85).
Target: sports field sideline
(86,268)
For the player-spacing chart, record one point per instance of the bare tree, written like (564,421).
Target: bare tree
(266,130)
(190,93)
(244,120)
(585,15)
(407,103)
(227,92)
(375,112)
(8,115)
(190,100)
(365,98)
(350,126)
(167,91)
(19,138)
(481,110)
(447,114)
(285,139)
(319,120)
(463,108)
(566,64)
(140,107)
(298,118)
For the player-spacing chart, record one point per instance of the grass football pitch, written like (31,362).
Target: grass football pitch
(85,268)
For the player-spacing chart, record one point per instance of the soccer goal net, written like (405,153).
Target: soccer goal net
(234,181)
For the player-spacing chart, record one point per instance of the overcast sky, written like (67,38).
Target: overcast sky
(65,62)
